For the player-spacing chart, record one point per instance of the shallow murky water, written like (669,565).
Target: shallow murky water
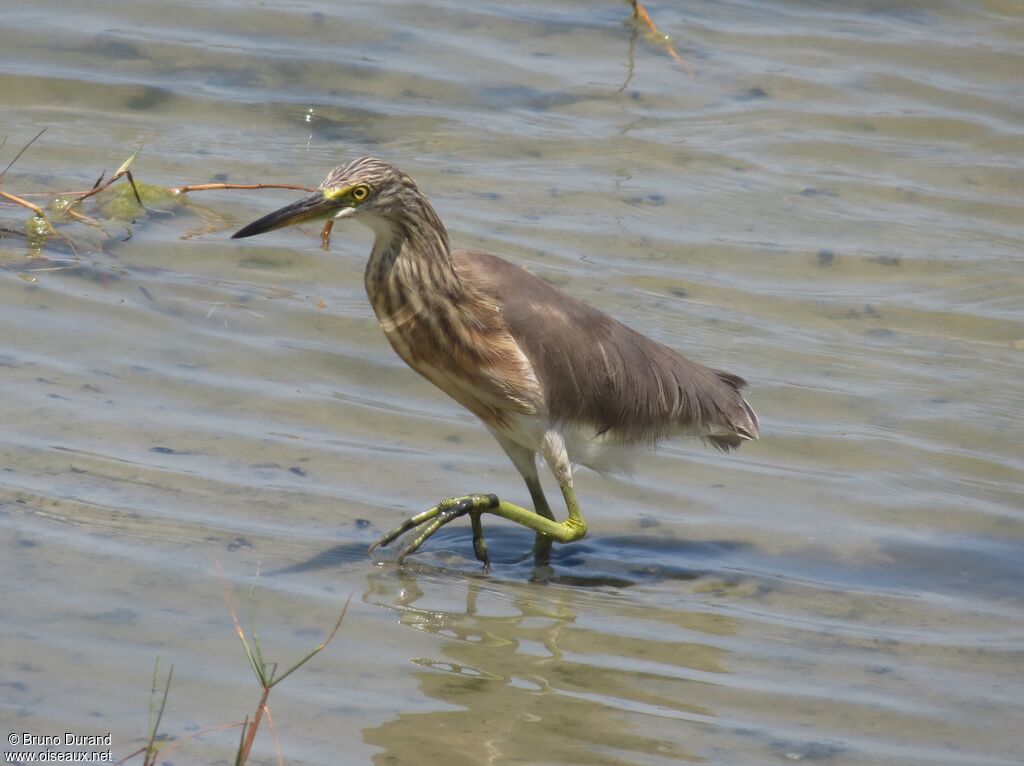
(831,205)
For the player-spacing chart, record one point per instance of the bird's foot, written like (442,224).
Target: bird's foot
(434,518)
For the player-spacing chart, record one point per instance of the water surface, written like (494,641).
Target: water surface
(829,205)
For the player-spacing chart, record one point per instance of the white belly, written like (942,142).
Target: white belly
(583,446)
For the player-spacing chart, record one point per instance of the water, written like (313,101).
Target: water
(829,205)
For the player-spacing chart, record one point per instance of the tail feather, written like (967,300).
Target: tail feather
(724,442)
(742,423)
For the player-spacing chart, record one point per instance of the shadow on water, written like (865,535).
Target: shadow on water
(980,567)
(567,663)
(614,561)
(336,556)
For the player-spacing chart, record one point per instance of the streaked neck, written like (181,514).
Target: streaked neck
(410,263)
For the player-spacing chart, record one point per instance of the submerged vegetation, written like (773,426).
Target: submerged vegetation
(107,207)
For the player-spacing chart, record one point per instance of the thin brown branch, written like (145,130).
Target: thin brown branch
(23,150)
(100,187)
(250,733)
(217,186)
(41,215)
(173,190)
(24,203)
(131,182)
(277,740)
(640,12)
(56,193)
(82,218)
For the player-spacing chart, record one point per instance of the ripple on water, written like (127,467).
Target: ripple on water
(829,206)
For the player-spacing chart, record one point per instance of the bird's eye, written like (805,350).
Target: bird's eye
(361,192)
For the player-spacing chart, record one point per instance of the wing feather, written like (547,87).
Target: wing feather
(594,370)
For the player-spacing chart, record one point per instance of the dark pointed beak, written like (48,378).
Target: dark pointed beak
(314,206)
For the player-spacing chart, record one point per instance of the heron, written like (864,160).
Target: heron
(547,374)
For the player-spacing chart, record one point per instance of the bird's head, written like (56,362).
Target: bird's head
(368,188)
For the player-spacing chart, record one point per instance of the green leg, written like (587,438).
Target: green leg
(525,461)
(542,543)
(431,520)
(542,521)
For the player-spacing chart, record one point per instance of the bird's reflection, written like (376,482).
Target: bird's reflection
(551,674)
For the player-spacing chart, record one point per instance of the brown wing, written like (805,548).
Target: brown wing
(595,370)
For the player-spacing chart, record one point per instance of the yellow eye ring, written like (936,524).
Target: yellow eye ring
(361,192)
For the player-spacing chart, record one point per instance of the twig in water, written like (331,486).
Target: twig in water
(23,149)
(640,12)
